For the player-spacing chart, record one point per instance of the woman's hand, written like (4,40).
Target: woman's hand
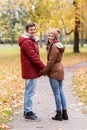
(42,72)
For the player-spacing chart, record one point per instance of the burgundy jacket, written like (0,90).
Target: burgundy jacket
(30,59)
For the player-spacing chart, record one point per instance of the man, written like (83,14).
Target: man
(31,66)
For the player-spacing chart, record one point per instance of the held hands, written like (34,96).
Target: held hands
(43,72)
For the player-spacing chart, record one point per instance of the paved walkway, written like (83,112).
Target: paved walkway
(44,106)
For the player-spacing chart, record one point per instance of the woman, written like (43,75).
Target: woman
(55,71)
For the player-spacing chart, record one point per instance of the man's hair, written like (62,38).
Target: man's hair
(28,25)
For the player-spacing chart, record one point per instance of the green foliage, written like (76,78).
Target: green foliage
(18,30)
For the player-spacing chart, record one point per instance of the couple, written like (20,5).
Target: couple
(33,67)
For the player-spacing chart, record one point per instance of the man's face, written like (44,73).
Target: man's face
(31,31)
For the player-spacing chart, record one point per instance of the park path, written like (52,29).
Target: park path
(44,106)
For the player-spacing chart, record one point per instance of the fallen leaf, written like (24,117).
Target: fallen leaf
(39,127)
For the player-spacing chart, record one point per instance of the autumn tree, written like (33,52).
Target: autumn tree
(39,12)
(77,27)
(83,5)
(65,15)
(14,16)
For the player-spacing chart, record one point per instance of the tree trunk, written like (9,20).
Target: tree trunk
(82,37)
(76,41)
(86,37)
(11,32)
(10,10)
(77,28)
(82,32)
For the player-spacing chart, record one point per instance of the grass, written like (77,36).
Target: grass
(11,83)
(69,58)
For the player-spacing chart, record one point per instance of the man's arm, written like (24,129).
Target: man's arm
(32,55)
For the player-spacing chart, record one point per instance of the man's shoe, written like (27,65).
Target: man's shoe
(32,117)
(31,112)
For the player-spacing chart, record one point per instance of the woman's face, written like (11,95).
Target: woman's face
(51,37)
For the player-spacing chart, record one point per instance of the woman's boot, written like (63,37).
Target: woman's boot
(58,116)
(64,115)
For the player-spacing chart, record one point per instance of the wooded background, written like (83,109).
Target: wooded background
(70,16)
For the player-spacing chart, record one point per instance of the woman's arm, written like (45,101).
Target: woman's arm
(52,60)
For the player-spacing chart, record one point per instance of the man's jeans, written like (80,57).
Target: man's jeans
(60,100)
(30,85)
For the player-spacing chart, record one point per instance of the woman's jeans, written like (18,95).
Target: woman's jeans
(57,87)
(30,85)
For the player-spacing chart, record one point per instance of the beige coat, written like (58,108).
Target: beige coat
(54,68)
